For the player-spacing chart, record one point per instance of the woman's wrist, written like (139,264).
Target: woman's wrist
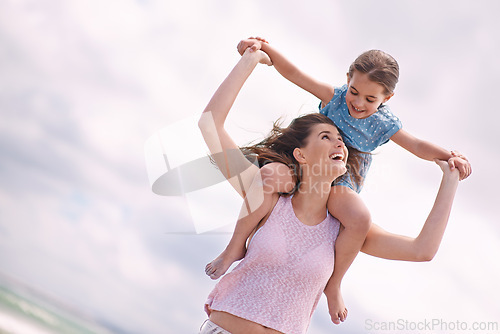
(249,60)
(257,56)
(451,176)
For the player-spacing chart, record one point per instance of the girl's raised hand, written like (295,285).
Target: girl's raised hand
(462,165)
(458,154)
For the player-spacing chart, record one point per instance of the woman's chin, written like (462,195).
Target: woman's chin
(338,170)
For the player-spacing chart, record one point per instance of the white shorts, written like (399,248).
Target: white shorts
(209,327)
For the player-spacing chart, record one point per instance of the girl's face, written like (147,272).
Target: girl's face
(325,151)
(363,95)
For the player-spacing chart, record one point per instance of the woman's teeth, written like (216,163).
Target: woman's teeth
(336,156)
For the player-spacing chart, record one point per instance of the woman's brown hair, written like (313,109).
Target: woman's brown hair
(279,145)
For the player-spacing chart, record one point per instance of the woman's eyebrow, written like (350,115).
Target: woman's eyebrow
(328,132)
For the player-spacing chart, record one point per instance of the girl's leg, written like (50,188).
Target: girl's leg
(268,181)
(345,205)
(236,248)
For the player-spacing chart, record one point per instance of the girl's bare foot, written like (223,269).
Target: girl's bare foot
(336,306)
(221,264)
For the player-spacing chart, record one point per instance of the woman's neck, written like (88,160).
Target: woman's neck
(309,201)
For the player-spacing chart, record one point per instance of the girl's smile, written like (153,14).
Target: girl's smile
(363,95)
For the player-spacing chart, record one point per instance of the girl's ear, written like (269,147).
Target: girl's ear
(348,78)
(388,97)
(299,155)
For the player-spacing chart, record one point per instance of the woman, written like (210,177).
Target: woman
(290,258)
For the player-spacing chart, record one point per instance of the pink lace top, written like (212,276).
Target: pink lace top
(285,270)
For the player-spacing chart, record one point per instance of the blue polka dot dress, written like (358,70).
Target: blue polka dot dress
(364,135)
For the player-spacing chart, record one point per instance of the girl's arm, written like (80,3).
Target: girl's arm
(226,154)
(321,90)
(383,244)
(429,151)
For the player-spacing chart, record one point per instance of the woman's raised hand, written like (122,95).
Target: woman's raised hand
(262,56)
(445,167)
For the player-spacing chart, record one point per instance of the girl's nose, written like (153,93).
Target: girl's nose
(357,103)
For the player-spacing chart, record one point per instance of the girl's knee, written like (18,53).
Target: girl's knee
(358,221)
(277,177)
(347,206)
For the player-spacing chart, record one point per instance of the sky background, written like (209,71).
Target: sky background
(84,84)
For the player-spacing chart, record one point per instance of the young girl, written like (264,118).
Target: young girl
(365,122)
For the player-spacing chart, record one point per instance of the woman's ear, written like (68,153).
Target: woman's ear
(299,155)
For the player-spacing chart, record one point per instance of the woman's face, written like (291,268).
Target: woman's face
(364,96)
(325,151)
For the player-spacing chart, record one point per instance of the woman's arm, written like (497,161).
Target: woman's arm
(288,70)
(226,154)
(383,244)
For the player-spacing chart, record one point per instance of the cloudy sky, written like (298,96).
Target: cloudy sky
(85,84)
